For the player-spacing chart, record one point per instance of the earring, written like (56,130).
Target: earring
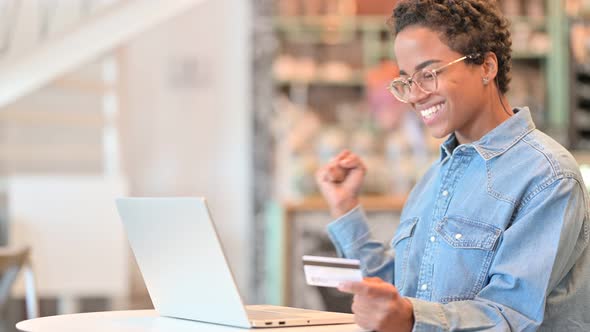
(486,80)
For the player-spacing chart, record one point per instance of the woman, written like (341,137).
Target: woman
(494,237)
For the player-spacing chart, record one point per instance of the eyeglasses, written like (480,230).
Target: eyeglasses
(426,80)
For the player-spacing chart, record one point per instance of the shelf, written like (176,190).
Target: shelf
(530,55)
(584,19)
(356,79)
(535,22)
(582,119)
(583,91)
(371,34)
(281,224)
(355,82)
(315,23)
(369,203)
(370,23)
(583,68)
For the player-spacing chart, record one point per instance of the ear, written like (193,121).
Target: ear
(489,68)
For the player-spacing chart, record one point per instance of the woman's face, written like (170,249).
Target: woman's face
(457,103)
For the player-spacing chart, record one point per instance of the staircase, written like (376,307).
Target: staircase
(42,40)
(59,155)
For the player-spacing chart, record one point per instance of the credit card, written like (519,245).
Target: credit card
(330,271)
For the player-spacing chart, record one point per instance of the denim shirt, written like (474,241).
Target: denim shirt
(494,237)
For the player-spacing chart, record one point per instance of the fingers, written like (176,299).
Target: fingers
(370,287)
(363,322)
(330,173)
(334,173)
(351,160)
(359,288)
(339,167)
(343,154)
(347,159)
(377,305)
(351,287)
(359,305)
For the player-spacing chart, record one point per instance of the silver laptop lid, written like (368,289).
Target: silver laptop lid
(181,259)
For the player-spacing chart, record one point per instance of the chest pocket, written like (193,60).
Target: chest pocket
(468,234)
(463,257)
(401,243)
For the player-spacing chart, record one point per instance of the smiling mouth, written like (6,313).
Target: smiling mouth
(431,111)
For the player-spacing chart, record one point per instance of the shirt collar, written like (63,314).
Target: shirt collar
(499,139)
(446,149)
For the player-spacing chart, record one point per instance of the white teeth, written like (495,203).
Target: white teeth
(427,113)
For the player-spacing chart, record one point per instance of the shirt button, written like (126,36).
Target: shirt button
(424,287)
(432,239)
(458,236)
(445,193)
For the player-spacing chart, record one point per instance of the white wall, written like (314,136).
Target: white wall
(186,121)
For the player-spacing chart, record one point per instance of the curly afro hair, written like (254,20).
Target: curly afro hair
(466,26)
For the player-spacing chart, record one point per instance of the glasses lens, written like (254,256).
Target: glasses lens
(400,90)
(426,79)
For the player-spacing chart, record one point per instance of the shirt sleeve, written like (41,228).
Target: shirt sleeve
(352,238)
(537,251)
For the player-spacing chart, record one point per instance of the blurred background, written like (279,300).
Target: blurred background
(238,101)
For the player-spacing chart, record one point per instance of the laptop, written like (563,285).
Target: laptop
(185,270)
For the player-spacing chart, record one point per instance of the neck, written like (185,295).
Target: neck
(490,115)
